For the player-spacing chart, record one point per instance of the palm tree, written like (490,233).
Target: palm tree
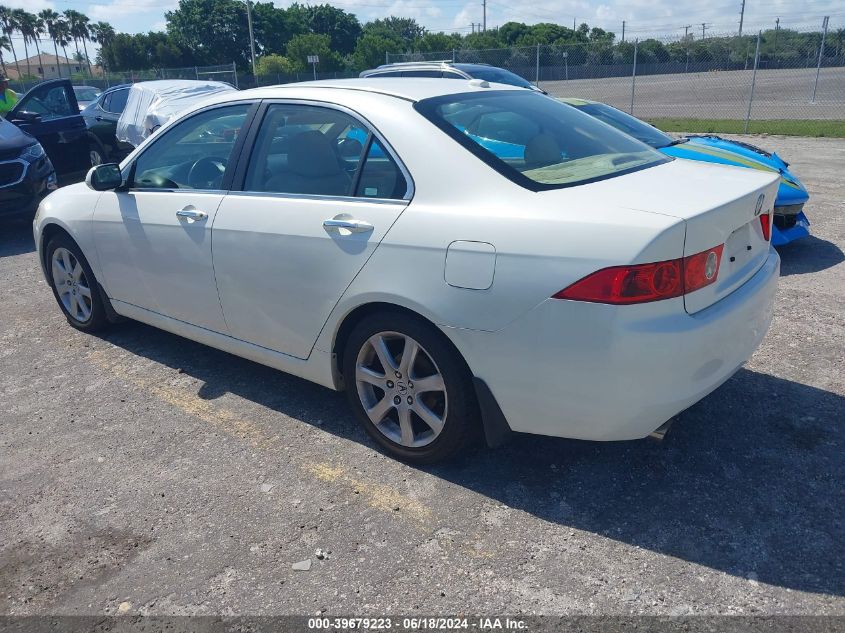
(4,46)
(38,31)
(63,38)
(51,19)
(24,21)
(78,23)
(8,24)
(103,34)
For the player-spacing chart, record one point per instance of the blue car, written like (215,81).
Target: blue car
(790,223)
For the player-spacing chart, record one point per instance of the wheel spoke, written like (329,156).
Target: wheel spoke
(405,426)
(84,310)
(384,355)
(77,271)
(59,275)
(409,356)
(85,292)
(377,412)
(429,383)
(365,374)
(66,261)
(428,416)
(74,306)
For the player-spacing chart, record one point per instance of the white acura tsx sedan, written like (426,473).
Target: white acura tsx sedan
(463,259)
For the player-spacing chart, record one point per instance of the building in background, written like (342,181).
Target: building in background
(52,65)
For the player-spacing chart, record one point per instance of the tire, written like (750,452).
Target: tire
(443,416)
(76,291)
(97,154)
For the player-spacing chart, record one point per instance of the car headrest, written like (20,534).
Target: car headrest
(542,150)
(311,154)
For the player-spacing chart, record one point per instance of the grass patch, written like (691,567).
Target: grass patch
(787,127)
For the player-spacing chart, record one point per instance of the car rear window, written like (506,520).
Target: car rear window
(535,140)
(496,75)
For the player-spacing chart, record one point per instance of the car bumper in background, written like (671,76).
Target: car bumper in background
(789,227)
(22,198)
(599,372)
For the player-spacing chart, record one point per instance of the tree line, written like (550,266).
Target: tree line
(62,29)
(206,32)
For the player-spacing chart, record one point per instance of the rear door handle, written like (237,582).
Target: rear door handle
(348,223)
(191,214)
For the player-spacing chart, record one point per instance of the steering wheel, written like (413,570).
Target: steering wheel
(206,173)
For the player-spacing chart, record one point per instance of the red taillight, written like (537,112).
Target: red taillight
(702,268)
(641,283)
(766,225)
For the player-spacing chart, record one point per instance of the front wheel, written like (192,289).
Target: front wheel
(74,285)
(409,388)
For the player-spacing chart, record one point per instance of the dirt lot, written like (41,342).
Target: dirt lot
(144,472)
(778,94)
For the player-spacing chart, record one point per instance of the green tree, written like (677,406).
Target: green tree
(274,65)
(215,30)
(25,23)
(371,49)
(274,27)
(5,45)
(301,46)
(404,30)
(8,24)
(341,27)
(50,19)
(78,30)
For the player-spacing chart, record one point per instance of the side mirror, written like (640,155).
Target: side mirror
(104,177)
(26,117)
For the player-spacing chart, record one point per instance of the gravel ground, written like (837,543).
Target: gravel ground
(143,473)
(778,94)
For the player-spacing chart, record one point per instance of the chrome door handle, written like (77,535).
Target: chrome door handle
(351,225)
(191,214)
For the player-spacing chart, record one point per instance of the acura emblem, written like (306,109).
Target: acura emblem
(759,207)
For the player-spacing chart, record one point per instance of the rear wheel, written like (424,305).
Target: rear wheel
(74,285)
(96,152)
(409,388)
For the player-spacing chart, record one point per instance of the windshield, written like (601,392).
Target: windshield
(640,130)
(536,141)
(497,75)
(86,94)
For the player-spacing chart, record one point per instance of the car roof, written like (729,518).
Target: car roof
(407,88)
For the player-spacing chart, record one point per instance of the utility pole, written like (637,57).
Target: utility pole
(741,17)
(251,36)
(703,28)
(484,16)
(775,45)
(573,23)
(623,30)
(821,53)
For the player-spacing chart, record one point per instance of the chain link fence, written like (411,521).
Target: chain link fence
(773,75)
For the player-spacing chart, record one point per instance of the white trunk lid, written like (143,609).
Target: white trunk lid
(719,205)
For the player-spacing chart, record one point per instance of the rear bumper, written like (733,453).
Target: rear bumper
(796,227)
(599,372)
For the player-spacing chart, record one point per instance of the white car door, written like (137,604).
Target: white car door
(154,237)
(319,193)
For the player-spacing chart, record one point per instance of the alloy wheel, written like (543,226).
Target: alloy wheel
(401,389)
(71,285)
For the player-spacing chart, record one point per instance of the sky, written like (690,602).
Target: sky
(644,18)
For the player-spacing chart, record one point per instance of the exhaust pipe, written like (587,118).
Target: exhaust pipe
(660,432)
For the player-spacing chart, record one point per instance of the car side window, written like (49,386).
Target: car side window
(450,75)
(436,74)
(115,101)
(51,102)
(380,175)
(194,153)
(307,150)
(385,75)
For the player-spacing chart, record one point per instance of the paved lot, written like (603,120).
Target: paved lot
(778,94)
(140,469)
